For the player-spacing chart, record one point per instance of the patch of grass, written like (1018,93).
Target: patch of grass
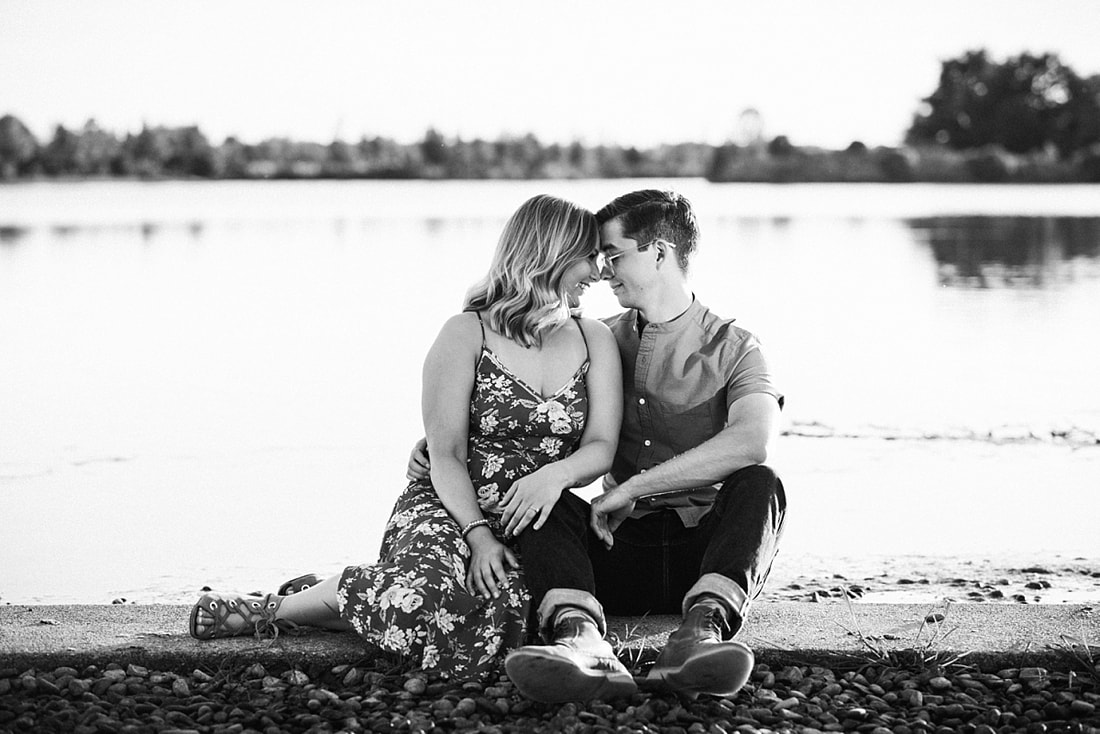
(922,654)
(1083,656)
(629,647)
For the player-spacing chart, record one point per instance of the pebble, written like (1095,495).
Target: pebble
(180,688)
(249,698)
(296,678)
(1032,674)
(416,686)
(137,671)
(939,683)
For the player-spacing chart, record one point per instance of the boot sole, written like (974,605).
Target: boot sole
(721,670)
(549,678)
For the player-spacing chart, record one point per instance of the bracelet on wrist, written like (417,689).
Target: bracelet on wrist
(471,525)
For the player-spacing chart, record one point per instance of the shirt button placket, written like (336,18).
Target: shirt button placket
(641,378)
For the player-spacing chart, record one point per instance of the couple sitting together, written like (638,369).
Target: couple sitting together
(523,400)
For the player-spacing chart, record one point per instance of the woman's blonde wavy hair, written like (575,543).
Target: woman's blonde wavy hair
(523,296)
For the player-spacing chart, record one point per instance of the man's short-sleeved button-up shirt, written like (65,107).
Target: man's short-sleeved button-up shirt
(679,379)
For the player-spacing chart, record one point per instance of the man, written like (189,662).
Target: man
(690,518)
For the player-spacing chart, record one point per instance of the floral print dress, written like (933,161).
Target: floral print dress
(413,601)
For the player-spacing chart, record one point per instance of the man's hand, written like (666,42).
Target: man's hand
(608,512)
(419,467)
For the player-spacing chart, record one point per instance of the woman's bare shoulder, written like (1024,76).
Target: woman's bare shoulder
(461,331)
(596,330)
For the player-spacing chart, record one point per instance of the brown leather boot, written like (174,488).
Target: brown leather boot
(697,659)
(578,665)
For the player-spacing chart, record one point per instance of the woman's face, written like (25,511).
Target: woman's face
(577,277)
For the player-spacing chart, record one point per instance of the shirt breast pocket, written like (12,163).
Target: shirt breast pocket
(687,426)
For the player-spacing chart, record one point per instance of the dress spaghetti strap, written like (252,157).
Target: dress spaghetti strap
(482,324)
(586,353)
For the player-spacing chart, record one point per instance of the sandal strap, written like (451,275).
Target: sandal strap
(257,612)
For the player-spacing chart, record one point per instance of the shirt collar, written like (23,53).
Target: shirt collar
(690,316)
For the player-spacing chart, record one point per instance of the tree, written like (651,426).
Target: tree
(59,155)
(97,150)
(1022,105)
(232,159)
(433,148)
(191,153)
(340,161)
(780,147)
(385,158)
(146,152)
(18,147)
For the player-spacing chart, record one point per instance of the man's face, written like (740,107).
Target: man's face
(631,274)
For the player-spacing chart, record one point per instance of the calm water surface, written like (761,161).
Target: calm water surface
(216,382)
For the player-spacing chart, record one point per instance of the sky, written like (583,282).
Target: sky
(630,72)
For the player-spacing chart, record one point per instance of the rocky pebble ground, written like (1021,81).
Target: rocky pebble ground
(868,697)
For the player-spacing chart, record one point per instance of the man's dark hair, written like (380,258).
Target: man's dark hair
(648,214)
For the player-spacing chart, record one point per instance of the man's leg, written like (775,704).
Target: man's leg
(738,540)
(578,663)
(634,576)
(555,557)
(732,550)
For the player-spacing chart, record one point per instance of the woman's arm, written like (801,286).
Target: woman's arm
(445,402)
(540,490)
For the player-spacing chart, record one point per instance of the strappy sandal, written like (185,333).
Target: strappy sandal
(238,615)
(299,584)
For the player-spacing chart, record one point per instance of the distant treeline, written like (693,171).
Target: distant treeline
(1027,119)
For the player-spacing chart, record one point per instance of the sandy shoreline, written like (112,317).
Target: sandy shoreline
(938,580)
(932,580)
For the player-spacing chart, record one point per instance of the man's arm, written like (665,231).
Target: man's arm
(751,424)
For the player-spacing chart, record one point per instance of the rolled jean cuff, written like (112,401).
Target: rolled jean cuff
(725,590)
(555,599)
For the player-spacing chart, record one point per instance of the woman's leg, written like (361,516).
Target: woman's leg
(315,606)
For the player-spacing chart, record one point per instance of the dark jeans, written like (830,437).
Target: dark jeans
(655,559)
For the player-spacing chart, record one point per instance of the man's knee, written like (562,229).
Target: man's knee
(759,472)
(568,520)
(756,483)
(573,502)
(760,475)
(569,510)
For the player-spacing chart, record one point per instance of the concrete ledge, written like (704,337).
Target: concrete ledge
(781,633)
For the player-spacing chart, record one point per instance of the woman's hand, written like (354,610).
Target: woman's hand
(488,558)
(530,499)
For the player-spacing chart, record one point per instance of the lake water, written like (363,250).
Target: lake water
(219,382)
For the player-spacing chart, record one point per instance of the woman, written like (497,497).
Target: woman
(521,401)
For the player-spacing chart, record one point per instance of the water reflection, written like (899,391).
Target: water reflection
(1011,252)
(146,230)
(61,231)
(10,235)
